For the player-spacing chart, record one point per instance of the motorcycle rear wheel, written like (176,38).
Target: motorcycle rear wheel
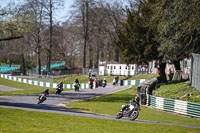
(134,115)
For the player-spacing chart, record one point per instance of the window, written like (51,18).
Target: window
(108,67)
(111,67)
(132,67)
(114,67)
(126,67)
(120,67)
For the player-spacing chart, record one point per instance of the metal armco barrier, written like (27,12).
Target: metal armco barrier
(173,105)
(42,84)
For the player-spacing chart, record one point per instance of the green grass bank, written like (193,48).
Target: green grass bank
(111,104)
(20,121)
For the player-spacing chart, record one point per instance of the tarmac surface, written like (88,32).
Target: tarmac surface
(55,103)
(5,88)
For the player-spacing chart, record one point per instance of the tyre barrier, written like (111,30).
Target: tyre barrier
(173,105)
(39,83)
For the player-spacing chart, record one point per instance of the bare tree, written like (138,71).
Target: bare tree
(37,11)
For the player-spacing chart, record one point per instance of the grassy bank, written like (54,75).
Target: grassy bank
(144,76)
(19,121)
(110,104)
(178,90)
(69,79)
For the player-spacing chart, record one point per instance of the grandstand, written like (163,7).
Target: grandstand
(6,69)
(55,65)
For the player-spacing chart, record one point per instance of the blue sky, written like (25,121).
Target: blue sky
(59,14)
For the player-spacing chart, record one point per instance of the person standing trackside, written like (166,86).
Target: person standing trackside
(96,82)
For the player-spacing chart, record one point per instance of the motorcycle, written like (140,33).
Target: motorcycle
(131,111)
(114,82)
(104,84)
(76,86)
(59,90)
(42,98)
(91,85)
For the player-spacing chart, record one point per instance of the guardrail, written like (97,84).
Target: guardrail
(173,105)
(131,82)
(39,83)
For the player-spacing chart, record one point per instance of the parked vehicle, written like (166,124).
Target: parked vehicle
(130,111)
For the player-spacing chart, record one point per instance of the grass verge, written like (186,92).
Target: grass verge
(111,104)
(69,79)
(19,121)
(178,90)
(26,88)
(144,76)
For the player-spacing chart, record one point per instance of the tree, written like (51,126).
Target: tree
(37,12)
(10,27)
(179,29)
(50,6)
(137,36)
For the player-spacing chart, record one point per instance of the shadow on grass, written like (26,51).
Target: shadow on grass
(174,82)
(114,98)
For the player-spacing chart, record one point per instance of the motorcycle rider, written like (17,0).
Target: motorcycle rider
(136,100)
(76,81)
(132,102)
(104,82)
(76,84)
(60,85)
(91,82)
(59,88)
(115,80)
(46,93)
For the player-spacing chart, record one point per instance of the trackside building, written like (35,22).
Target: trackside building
(117,69)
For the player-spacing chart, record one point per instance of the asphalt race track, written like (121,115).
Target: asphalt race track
(55,103)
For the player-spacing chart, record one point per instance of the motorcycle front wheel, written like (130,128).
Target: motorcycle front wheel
(119,115)
(42,99)
(134,115)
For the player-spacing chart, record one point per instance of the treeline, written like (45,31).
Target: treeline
(131,31)
(31,35)
(161,30)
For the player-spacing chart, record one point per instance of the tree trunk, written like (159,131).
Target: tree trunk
(163,78)
(23,65)
(116,58)
(85,16)
(97,58)
(177,65)
(51,41)
(90,57)
(39,61)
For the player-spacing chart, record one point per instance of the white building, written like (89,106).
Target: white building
(117,69)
